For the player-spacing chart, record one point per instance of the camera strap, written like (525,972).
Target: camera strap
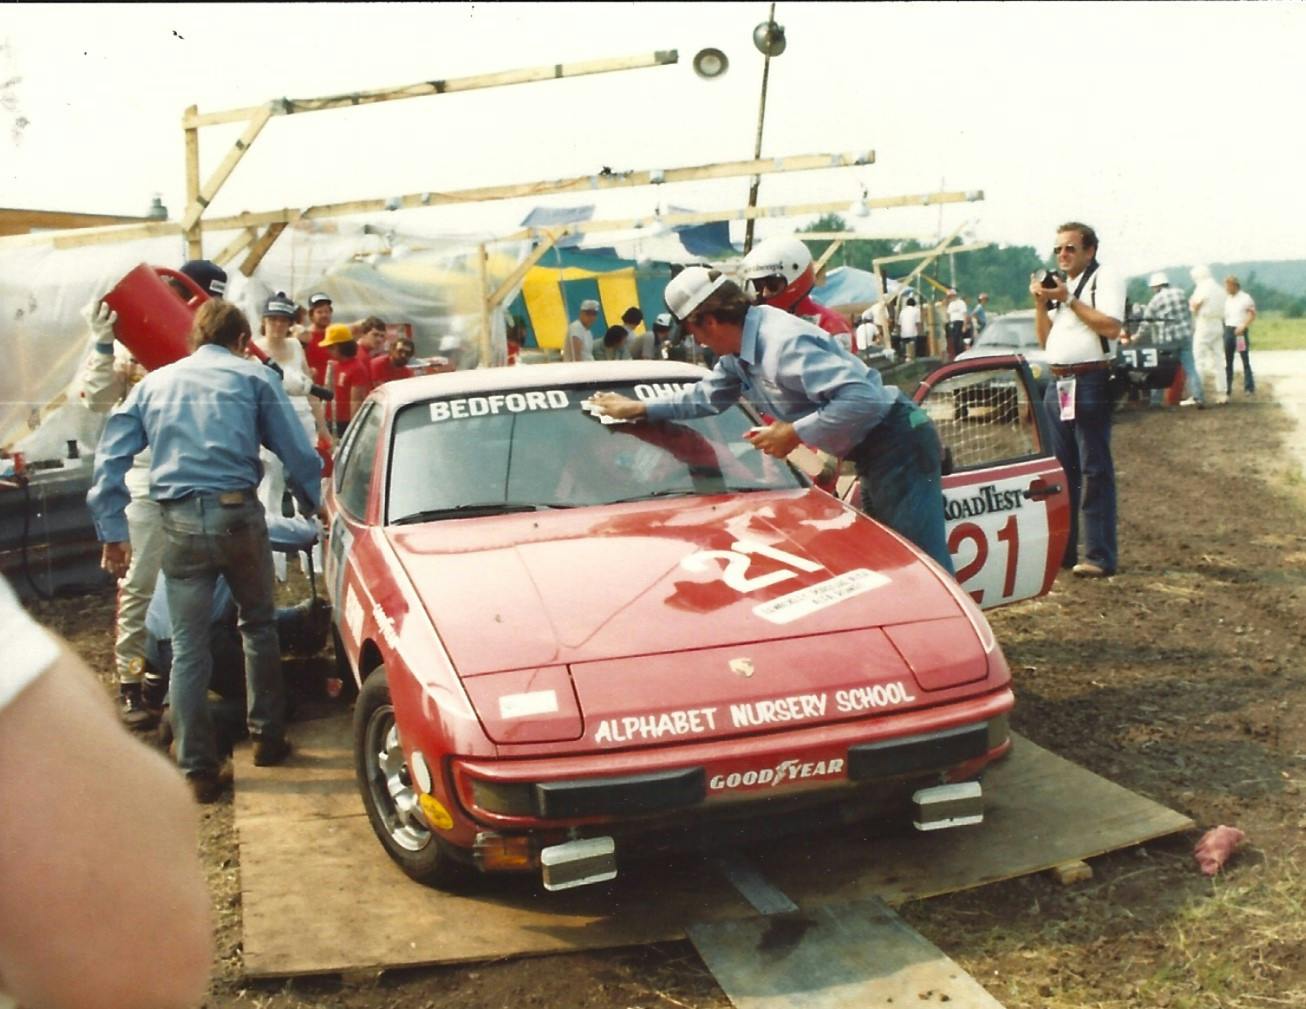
(1092,299)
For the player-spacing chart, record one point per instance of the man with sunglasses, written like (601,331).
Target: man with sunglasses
(779,274)
(818,394)
(1077,313)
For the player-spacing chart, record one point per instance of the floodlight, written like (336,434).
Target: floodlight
(769,37)
(711,63)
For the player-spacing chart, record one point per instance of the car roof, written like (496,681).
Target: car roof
(528,376)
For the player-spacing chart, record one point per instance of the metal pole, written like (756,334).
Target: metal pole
(757,145)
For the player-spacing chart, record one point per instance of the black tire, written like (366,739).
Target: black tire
(385,789)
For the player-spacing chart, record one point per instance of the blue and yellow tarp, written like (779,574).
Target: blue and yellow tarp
(554,288)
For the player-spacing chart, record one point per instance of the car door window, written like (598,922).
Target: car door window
(356,459)
(985,417)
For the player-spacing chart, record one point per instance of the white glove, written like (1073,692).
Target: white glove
(100,318)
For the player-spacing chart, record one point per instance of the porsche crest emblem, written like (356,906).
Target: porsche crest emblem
(744,667)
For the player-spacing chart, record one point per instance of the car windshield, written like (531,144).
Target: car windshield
(1016,334)
(532,449)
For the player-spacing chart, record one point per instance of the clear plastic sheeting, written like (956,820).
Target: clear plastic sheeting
(368,267)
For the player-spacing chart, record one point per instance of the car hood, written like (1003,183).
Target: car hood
(594,585)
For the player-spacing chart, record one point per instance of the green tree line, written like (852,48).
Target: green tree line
(1001,271)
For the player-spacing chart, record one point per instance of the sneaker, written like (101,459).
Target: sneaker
(133,713)
(1192,401)
(1223,399)
(270,750)
(207,786)
(1090,570)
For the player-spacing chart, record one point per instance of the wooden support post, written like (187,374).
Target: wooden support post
(483,269)
(224,170)
(523,268)
(260,249)
(235,247)
(819,265)
(195,233)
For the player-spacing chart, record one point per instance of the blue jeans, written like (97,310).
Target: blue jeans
(1189,364)
(898,467)
(1083,447)
(1231,348)
(205,539)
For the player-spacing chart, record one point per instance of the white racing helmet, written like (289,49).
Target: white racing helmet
(689,288)
(786,258)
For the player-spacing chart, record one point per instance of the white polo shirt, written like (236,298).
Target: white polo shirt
(1238,309)
(956,310)
(1071,340)
(909,322)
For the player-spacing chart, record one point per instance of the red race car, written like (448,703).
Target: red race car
(573,638)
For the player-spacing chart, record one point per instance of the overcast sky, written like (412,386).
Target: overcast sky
(1174,128)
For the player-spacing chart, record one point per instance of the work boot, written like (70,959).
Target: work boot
(133,712)
(208,786)
(270,750)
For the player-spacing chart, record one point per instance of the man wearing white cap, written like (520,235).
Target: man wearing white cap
(578,344)
(817,392)
(1169,310)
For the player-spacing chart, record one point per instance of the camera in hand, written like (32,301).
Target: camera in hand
(1050,279)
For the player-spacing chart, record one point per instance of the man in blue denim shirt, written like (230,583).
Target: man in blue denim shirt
(204,418)
(817,394)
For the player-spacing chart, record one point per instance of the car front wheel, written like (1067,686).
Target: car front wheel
(389,794)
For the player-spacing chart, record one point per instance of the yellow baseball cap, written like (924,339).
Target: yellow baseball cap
(336,333)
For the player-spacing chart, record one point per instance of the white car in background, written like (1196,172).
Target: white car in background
(1013,333)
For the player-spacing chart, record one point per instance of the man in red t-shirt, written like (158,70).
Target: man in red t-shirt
(352,379)
(394,364)
(319,318)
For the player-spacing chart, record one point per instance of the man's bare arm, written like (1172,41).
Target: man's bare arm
(104,901)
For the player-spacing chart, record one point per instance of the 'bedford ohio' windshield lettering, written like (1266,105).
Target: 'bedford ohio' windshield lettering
(986,500)
(511,402)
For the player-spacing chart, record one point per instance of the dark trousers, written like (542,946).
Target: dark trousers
(1083,447)
(898,467)
(1231,348)
(956,339)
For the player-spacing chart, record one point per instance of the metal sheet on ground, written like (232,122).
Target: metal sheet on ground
(838,956)
(319,894)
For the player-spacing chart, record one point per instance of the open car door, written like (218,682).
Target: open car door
(1005,496)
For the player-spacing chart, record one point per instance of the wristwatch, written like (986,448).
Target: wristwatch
(1070,300)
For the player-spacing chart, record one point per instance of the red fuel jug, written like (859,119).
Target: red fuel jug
(154,321)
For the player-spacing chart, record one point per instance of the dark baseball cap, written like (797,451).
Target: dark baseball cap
(211,278)
(318,298)
(280,305)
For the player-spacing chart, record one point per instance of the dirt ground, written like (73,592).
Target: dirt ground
(1183,678)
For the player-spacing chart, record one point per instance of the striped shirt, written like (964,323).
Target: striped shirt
(1169,309)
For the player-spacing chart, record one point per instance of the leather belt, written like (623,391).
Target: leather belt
(1084,368)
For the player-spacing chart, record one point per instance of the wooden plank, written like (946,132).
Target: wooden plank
(195,209)
(840,956)
(302,831)
(819,265)
(422,89)
(233,248)
(260,248)
(191,137)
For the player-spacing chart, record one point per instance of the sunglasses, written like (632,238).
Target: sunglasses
(1069,250)
(769,285)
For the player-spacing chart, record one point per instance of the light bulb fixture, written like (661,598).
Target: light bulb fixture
(769,37)
(862,208)
(710,64)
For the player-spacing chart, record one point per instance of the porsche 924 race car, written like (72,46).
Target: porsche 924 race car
(575,639)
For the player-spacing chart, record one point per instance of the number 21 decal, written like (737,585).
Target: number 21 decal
(740,558)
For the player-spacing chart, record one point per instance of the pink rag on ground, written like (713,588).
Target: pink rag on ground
(1215,847)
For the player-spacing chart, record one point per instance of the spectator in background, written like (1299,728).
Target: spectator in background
(611,346)
(1207,306)
(641,346)
(955,307)
(981,314)
(662,337)
(578,344)
(1169,311)
(370,335)
(394,363)
(320,312)
(116,916)
(909,330)
(1239,313)
(868,335)
(351,378)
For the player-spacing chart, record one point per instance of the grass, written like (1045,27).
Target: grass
(1272,331)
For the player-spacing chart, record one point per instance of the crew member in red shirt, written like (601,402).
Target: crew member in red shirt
(352,378)
(319,318)
(393,364)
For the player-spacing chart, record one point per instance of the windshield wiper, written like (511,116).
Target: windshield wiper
(465,510)
(649,495)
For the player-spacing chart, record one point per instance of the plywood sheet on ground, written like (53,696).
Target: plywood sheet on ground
(319,894)
(838,956)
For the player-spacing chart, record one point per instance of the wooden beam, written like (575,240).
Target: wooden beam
(819,265)
(523,268)
(903,256)
(191,136)
(548,72)
(585,183)
(234,248)
(260,249)
(210,189)
(483,273)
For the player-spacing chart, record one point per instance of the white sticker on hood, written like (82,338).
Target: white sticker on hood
(537,702)
(807,601)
